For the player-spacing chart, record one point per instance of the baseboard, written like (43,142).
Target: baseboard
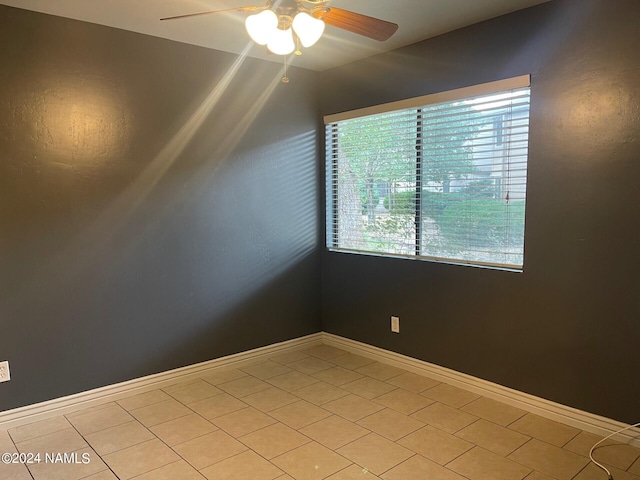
(545,408)
(60,406)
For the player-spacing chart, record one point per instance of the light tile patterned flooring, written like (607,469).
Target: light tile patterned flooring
(320,413)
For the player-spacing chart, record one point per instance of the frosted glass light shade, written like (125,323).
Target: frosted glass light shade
(281,42)
(261,26)
(308,29)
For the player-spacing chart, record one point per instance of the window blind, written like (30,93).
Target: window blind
(440,179)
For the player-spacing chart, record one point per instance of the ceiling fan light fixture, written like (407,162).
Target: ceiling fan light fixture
(262,26)
(308,29)
(281,42)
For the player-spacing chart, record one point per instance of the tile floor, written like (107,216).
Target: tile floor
(320,413)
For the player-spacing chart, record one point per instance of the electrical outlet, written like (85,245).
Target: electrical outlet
(395,324)
(5,376)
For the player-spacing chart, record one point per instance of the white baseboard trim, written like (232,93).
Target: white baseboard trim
(545,408)
(61,406)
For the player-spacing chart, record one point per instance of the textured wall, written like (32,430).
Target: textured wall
(568,328)
(158,205)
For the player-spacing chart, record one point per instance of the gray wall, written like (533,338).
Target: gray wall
(568,328)
(158,205)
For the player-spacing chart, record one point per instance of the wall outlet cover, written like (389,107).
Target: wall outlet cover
(395,324)
(5,375)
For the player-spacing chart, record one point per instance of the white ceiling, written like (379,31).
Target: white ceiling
(417,20)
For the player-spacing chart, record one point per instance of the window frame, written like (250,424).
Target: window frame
(418,103)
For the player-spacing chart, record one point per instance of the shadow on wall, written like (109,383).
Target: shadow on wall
(450,61)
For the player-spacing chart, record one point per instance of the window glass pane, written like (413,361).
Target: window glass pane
(474,167)
(446,181)
(376,156)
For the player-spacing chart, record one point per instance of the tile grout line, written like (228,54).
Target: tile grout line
(148,429)
(90,446)
(505,458)
(16,447)
(452,460)
(158,468)
(398,464)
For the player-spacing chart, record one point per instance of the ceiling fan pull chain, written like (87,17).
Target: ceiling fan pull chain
(285,79)
(298,52)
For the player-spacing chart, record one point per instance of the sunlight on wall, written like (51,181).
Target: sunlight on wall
(106,244)
(596,111)
(79,123)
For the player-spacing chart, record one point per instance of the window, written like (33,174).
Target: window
(440,177)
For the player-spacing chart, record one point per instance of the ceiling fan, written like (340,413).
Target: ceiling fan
(282,25)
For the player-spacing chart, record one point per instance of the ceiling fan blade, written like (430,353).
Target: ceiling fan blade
(237,9)
(375,28)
